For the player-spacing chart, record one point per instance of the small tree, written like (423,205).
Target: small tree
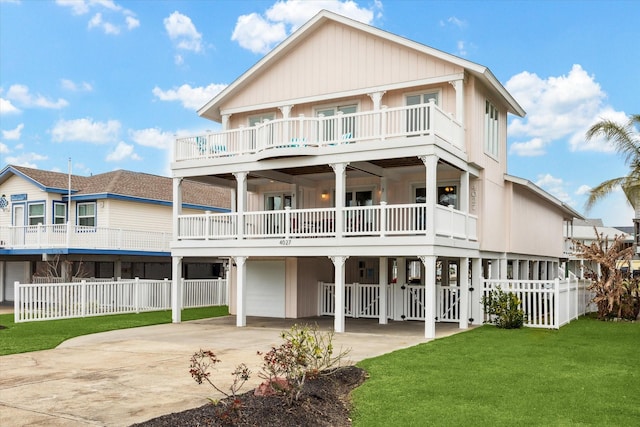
(617,295)
(504,309)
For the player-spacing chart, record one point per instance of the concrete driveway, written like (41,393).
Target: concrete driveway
(127,376)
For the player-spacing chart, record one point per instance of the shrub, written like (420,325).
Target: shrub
(305,353)
(503,309)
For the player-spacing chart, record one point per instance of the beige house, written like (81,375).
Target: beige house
(367,172)
(113,225)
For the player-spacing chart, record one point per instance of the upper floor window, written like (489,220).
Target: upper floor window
(254,120)
(59,213)
(491,129)
(418,119)
(35,213)
(87,214)
(334,130)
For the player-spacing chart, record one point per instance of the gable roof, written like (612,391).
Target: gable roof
(211,110)
(122,184)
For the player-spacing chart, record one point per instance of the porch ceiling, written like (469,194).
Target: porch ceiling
(325,169)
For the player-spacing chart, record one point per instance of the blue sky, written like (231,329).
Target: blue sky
(110,83)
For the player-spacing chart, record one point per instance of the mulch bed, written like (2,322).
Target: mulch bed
(324,401)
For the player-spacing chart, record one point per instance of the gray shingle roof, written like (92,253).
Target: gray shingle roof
(131,184)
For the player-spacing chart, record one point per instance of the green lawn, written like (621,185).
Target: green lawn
(587,373)
(31,336)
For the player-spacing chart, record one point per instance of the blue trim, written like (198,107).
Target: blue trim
(65,251)
(10,169)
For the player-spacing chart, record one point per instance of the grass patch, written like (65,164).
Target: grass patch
(32,336)
(583,374)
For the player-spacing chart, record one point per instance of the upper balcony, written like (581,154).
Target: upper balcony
(315,134)
(66,236)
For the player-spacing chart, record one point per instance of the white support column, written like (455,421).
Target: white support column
(503,267)
(177,205)
(176,289)
(429,262)
(225,121)
(463,283)
(339,169)
(516,269)
(376,98)
(476,295)
(398,292)
(383,281)
(241,293)
(241,201)
(536,270)
(458,85)
(431,189)
(338,315)
(463,197)
(286,111)
(524,275)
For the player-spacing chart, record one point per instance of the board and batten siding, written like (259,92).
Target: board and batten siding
(337,58)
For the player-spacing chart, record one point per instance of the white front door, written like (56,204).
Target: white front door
(18,222)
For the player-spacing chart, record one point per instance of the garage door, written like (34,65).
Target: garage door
(265,288)
(14,272)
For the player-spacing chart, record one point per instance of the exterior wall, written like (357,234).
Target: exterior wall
(310,271)
(18,185)
(337,58)
(135,216)
(535,226)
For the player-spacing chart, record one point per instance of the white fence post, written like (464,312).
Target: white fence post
(83,298)
(16,301)
(556,304)
(136,294)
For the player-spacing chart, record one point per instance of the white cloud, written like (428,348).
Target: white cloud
(557,107)
(21,95)
(578,142)
(181,30)
(78,7)
(152,137)
(26,159)
(456,22)
(191,97)
(555,186)
(583,189)
(76,87)
(4,148)
(259,33)
(121,152)
(86,130)
(531,148)
(109,10)
(13,134)
(6,107)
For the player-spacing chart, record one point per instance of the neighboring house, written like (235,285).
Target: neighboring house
(364,167)
(114,225)
(584,231)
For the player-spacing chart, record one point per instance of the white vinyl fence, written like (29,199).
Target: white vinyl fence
(50,301)
(546,303)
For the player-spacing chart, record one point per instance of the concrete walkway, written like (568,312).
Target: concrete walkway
(127,376)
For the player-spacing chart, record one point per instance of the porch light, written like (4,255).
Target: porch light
(324,195)
(448,189)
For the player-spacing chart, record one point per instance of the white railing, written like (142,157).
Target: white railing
(82,237)
(50,301)
(305,132)
(361,300)
(379,220)
(546,303)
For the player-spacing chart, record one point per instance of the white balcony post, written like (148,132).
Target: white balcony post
(207,225)
(383,219)
(338,314)
(176,291)
(241,198)
(382,283)
(463,284)
(476,295)
(429,262)
(431,188)
(68,236)
(287,222)
(241,294)
(383,123)
(177,206)
(339,169)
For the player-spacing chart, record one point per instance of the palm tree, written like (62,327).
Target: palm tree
(626,141)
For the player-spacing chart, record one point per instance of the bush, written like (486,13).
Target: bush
(503,309)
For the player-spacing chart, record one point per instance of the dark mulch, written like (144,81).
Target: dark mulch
(324,402)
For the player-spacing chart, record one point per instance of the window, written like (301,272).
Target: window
(490,129)
(35,214)
(329,128)
(59,213)
(447,196)
(87,214)
(266,138)
(254,120)
(418,117)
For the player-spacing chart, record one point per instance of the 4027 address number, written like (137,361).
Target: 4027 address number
(285,242)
